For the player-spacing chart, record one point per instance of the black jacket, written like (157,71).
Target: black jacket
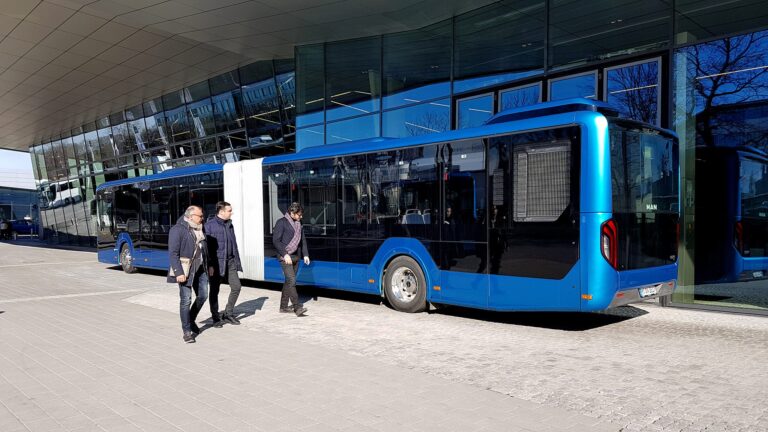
(181,243)
(282,234)
(219,234)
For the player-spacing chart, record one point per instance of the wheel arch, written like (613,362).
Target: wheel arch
(393,248)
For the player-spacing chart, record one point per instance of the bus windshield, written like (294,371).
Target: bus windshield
(644,183)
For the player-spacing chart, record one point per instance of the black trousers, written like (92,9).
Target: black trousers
(233,280)
(289,286)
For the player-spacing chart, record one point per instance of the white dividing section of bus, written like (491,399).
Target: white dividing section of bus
(243,189)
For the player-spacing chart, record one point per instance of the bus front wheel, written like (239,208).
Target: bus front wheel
(405,285)
(126,260)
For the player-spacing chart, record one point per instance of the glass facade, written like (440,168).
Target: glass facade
(696,66)
(244,113)
(721,115)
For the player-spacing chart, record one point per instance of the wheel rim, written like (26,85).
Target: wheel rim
(404,284)
(125,260)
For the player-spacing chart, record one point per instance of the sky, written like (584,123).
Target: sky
(16,170)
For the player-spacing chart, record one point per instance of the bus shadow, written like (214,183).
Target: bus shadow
(565,321)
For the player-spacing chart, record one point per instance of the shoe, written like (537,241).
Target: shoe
(195,329)
(230,319)
(300,311)
(189,337)
(286,310)
(218,323)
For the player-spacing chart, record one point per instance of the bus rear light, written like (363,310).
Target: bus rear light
(609,242)
(738,237)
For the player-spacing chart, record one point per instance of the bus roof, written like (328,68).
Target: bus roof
(554,107)
(172,173)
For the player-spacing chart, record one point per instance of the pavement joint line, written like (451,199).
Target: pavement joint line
(46,263)
(27,299)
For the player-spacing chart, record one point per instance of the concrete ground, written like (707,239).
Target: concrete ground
(87,347)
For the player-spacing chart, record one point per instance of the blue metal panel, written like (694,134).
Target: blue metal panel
(466,289)
(598,279)
(318,273)
(509,293)
(630,279)
(152,258)
(272,270)
(108,256)
(595,163)
(354,277)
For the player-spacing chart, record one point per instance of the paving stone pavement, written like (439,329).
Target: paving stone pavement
(359,365)
(75,357)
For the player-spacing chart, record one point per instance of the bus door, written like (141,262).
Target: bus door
(463,235)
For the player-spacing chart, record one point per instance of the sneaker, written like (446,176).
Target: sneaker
(218,323)
(286,310)
(189,337)
(300,311)
(232,320)
(195,329)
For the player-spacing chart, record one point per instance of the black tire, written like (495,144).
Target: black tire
(126,260)
(405,285)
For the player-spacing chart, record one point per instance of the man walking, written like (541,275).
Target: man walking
(188,256)
(288,238)
(224,264)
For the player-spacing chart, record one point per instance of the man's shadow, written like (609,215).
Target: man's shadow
(243,310)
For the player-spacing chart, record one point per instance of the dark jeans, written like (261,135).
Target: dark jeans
(289,286)
(230,277)
(200,287)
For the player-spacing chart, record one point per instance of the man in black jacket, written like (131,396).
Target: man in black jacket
(224,262)
(188,256)
(288,238)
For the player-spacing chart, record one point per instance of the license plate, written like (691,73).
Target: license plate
(757,274)
(649,291)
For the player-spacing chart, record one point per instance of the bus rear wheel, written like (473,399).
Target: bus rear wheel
(126,260)
(405,285)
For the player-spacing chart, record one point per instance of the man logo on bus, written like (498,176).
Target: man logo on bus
(650,207)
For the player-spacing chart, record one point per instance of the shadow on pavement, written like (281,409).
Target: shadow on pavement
(565,321)
(44,245)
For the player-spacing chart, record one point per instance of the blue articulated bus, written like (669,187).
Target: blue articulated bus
(560,206)
(732,209)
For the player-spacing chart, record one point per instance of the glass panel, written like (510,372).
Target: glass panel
(721,117)
(352,81)
(261,105)
(201,118)
(137,129)
(154,121)
(355,129)
(92,144)
(177,124)
(228,111)
(285,75)
(702,19)
(418,120)
(481,60)
(417,65)
(581,32)
(224,83)
(520,97)
(310,85)
(584,86)
(81,153)
(106,143)
(634,90)
(474,111)
(69,155)
(309,137)
(197,92)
